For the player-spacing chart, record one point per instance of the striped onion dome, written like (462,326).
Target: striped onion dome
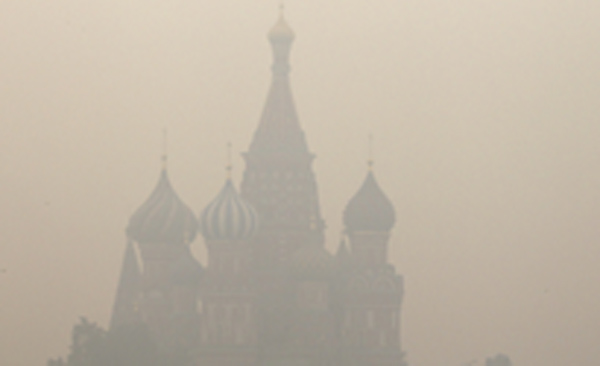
(228,217)
(163,218)
(369,209)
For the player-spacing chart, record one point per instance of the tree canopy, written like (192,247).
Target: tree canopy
(91,345)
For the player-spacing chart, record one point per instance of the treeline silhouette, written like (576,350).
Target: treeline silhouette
(127,345)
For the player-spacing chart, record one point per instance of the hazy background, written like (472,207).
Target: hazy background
(485,117)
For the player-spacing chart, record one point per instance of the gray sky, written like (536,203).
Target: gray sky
(485,117)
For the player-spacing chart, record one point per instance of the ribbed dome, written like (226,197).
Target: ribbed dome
(186,270)
(163,218)
(369,209)
(281,31)
(228,217)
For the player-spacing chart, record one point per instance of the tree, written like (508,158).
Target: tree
(128,345)
(498,360)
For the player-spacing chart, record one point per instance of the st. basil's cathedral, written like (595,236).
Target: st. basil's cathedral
(270,292)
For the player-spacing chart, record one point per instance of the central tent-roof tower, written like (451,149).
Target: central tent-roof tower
(279,181)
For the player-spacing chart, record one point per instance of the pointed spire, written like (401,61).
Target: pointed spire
(278,180)
(279,131)
(125,309)
(281,36)
(370,161)
(229,166)
(370,209)
(164,156)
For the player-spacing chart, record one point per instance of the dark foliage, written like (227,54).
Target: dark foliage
(129,345)
(498,360)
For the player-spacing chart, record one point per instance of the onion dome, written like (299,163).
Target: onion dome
(281,31)
(186,270)
(312,261)
(163,218)
(228,217)
(369,209)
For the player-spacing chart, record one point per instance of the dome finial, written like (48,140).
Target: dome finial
(370,160)
(163,217)
(281,31)
(229,166)
(164,148)
(370,209)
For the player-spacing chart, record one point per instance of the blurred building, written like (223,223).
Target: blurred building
(270,293)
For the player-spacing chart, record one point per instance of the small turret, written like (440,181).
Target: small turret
(369,209)
(369,218)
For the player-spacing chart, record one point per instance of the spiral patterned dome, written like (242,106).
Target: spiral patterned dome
(369,209)
(228,217)
(163,218)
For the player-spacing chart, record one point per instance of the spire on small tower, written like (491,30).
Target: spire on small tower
(164,217)
(229,166)
(370,161)
(164,155)
(370,209)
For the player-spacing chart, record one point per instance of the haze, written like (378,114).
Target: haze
(485,120)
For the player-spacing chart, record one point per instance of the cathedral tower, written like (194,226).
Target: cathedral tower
(270,293)
(371,291)
(278,180)
(368,219)
(228,331)
(280,184)
(163,227)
